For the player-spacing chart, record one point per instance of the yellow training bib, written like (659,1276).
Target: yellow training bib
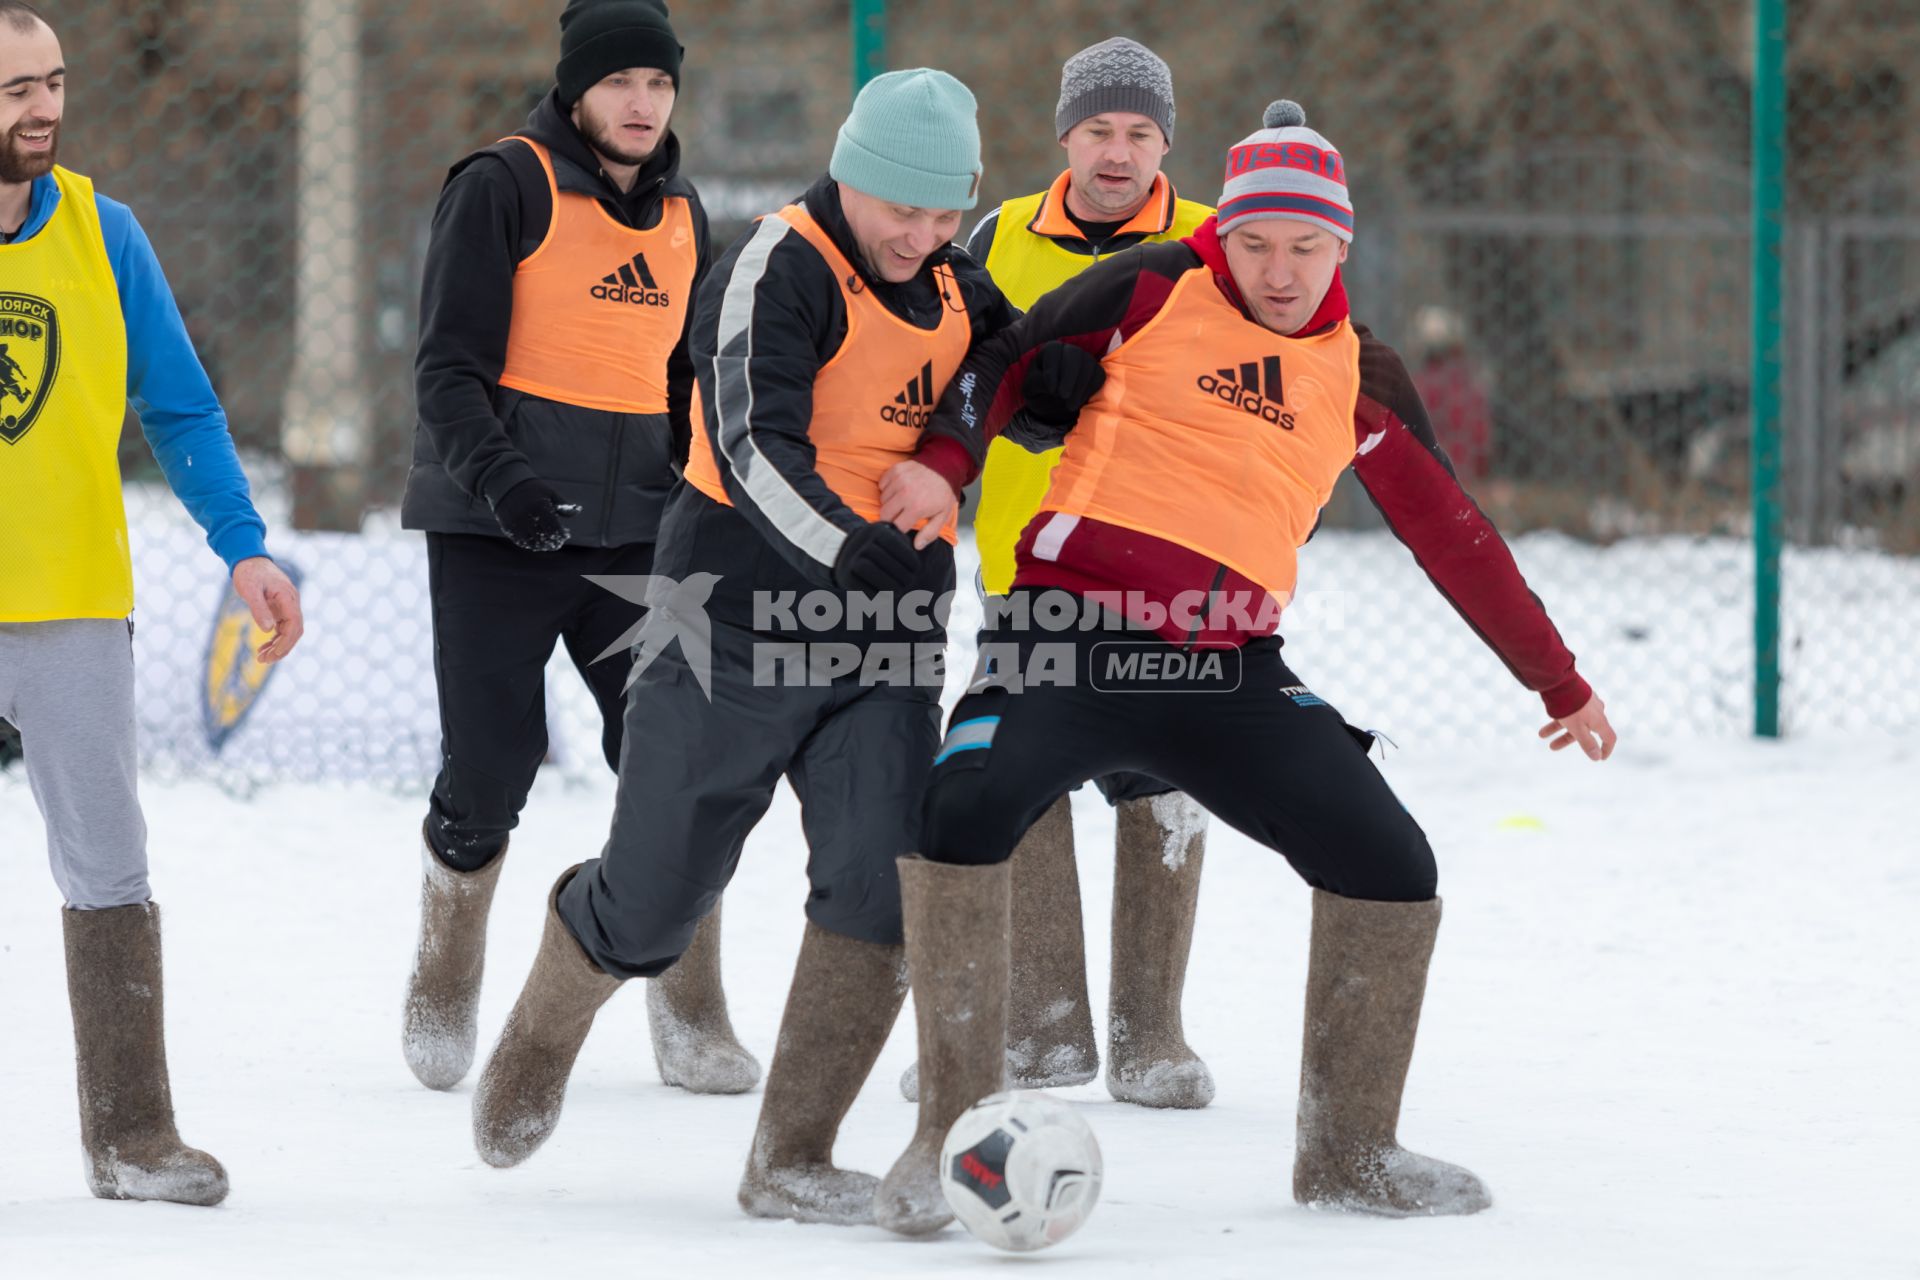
(1027,261)
(63,396)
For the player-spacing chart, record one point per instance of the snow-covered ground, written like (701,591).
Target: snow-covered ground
(1672,1022)
(1672,1019)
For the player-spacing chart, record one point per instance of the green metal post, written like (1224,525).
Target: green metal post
(869,40)
(1769,161)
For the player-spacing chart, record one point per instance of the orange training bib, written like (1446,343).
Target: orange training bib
(1216,434)
(599,306)
(871,401)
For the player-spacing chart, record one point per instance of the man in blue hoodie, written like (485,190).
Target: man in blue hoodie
(90,325)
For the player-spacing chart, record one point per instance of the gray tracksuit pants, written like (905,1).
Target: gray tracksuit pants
(696,774)
(68,687)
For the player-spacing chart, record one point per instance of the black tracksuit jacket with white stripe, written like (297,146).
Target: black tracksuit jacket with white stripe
(787,318)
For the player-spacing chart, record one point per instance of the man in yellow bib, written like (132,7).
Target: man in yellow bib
(1115,119)
(553,388)
(87,325)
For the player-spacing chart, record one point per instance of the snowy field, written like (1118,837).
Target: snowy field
(1672,1022)
(1672,1019)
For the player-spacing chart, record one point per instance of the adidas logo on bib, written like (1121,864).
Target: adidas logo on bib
(631,283)
(914,405)
(1251,388)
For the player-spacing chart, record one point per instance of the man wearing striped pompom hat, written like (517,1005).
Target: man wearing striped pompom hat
(1229,390)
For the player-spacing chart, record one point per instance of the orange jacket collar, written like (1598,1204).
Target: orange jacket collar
(1155,216)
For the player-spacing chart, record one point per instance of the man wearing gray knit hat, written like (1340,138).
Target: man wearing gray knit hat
(1115,121)
(820,343)
(1117,74)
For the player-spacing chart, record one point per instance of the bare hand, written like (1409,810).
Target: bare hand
(274,602)
(914,495)
(1588,726)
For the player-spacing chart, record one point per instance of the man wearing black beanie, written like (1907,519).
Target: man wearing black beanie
(600,37)
(553,384)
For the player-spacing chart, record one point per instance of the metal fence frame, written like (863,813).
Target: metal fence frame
(867,40)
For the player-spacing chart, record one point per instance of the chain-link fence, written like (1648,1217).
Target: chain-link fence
(1554,206)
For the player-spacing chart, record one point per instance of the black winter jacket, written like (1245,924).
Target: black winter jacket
(474,439)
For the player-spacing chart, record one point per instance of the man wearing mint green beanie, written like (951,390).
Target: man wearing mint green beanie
(807,546)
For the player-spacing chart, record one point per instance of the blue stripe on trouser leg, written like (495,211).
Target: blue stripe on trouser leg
(968,735)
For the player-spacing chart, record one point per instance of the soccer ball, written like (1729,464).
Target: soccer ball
(1021,1170)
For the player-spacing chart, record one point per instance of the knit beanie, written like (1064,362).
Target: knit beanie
(911,138)
(1286,170)
(600,37)
(1115,75)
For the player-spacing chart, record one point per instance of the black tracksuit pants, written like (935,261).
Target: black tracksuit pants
(699,770)
(497,613)
(1241,736)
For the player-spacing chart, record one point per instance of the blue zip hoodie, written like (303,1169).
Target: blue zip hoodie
(181,416)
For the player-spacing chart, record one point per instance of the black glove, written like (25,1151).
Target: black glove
(875,558)
(1060,380)
(533,517)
